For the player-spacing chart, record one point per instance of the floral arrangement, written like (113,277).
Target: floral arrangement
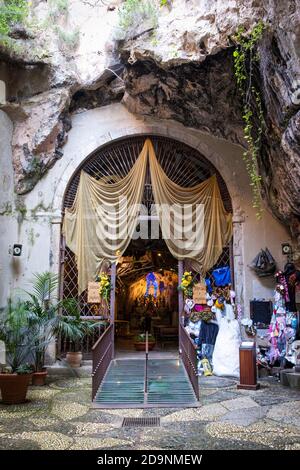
(187,282)
(104,286)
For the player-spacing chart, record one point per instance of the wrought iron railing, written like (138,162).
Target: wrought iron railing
(102,352)
(189,358)
(84,345)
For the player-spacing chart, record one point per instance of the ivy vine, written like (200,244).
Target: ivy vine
(246,58)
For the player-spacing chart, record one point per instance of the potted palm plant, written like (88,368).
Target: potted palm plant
(78,329)
(47,323)
(14,332)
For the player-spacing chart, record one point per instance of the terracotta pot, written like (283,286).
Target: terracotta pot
(14,388)
(39,378)
(74,359)
(141,346)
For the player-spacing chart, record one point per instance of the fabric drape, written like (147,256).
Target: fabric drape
(100,224)
(207,225)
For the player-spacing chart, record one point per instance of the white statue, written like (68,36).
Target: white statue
(225,357)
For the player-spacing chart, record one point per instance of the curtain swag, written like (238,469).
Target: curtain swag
(100,224)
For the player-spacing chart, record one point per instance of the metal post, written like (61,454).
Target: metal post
(146,364)
(180,300)
(112,303)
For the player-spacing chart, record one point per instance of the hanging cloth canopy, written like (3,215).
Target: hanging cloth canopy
(100,224)
(206,223)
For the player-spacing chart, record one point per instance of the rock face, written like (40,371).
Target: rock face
(188,76)
(200,95)
(176,63)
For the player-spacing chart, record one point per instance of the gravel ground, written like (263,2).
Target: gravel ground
(59,416)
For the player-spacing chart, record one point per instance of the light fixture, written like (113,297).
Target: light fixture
(158,254)
(286,249)
(17,250)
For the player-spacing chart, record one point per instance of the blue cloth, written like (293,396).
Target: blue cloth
(208,333)
(208,285)
(222,276)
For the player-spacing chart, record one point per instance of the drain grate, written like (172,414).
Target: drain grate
(140,422)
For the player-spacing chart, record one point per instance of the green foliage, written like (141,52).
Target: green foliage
(69,39)
(245,58)
(165,3)
(134,13)
(57,8)
(14,324)
(24,369)
(11,13)
(51,317)
(141,338)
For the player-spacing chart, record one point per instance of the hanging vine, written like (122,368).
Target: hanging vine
(246,58)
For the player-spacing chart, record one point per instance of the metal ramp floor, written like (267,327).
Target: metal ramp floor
(124,385)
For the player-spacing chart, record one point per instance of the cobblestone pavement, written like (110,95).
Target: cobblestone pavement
(59,416)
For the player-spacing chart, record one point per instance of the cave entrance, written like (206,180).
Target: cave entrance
(185,165)
(146,300)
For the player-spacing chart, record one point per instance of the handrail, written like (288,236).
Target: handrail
(189,358)
(105,332)
(146,364)
(193,345)
(102,356)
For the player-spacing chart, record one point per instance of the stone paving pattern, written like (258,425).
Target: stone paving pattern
(59,416)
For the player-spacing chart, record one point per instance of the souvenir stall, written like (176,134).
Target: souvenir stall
(281,347)
(210,320)
(217,325)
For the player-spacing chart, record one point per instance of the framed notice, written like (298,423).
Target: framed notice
(93,293)
(199,293)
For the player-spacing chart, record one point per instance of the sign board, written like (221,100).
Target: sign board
(93,293)
(199,293)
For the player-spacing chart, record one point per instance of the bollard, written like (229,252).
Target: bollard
(248,371)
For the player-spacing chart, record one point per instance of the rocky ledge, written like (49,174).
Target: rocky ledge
(176,63)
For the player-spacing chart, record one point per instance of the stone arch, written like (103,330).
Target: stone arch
(225,157)
(97,164)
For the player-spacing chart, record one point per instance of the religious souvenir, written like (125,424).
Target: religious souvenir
(199,293)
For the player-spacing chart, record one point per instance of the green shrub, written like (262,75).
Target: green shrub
(133,13)
(11,13)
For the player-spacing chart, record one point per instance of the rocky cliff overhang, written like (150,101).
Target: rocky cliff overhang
(180,69)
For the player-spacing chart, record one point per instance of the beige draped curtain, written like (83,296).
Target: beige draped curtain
(204,227)
(100,224)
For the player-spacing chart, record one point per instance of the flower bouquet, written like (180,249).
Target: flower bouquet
(104,286)
(186,285)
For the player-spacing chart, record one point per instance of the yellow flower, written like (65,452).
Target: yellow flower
(184,283)
(187,273)
(190,278)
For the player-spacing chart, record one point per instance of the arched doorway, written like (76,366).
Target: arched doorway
(183,164)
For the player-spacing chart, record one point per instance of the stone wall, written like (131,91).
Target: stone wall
(34,219)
